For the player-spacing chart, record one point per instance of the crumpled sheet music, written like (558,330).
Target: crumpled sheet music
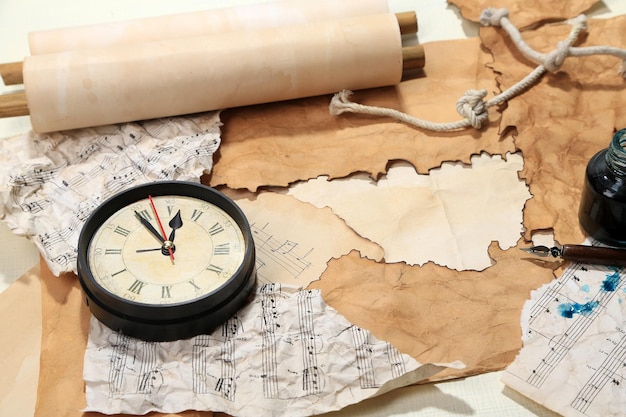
(50,183)
(574,356)
(285,354)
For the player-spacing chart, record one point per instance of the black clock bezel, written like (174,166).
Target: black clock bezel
(166,322)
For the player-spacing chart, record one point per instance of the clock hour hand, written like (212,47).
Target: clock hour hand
(149,226)
(175,223)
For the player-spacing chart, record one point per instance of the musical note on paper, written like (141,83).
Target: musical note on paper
(287,353)
(275,254)
(52,193)
(574,355)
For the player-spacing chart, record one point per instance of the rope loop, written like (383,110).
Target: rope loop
(471,106)
(492,16)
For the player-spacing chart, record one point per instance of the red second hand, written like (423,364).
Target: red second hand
(156,214)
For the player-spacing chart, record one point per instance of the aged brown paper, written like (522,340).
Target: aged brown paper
(525,13)
(433,313)
(20,333)
(562,121)
(280,143)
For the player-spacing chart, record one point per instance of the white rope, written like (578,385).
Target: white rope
(472,106)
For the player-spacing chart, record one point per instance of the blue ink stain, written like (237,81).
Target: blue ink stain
(585,288)
(611,282)
(568,310)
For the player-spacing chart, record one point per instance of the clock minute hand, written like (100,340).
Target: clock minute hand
(149,226)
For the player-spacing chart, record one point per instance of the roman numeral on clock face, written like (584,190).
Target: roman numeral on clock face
(195,216)
(121,231)
(165,291)
(137,286)
(215,229)
(222,249)
(215,268)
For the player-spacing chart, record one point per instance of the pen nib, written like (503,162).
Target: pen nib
(543,251)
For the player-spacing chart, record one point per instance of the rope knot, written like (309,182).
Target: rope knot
(472,107)
(340,103)
(492,16)
(554,60)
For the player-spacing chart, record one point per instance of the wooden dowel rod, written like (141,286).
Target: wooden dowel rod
(413,57)
(11,73)
(407,22)
(13,105)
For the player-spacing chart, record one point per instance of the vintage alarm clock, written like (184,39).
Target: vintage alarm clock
(166,260)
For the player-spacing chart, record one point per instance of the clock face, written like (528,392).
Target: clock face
(165,250)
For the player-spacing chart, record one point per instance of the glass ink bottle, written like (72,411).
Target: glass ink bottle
(602,212)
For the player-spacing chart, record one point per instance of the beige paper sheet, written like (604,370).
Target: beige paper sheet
(280,143)
(525,13)
(449,217)
(198,23)
(181,76)
(584,104)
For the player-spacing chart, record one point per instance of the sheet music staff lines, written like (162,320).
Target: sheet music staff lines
(149,374)
(550,296)
(311,378)
(398,366)
(269,323)
(609,372)
(283,253)
(226,384)
(199,364)
(364,358)
(118,359)
(562,344)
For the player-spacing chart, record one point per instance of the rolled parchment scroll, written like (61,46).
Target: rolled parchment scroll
(200,23)
(171,77)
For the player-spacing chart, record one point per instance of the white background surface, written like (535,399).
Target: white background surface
(482,395)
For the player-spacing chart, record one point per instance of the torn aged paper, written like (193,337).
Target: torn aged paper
(574,356)
(449,217)
(436,314)
(50,183)
(277,144)
(294,240)
(563,120)
(285,354)
(525,13)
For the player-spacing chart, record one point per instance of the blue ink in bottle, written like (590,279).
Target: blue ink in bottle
(602,212)
(568,310)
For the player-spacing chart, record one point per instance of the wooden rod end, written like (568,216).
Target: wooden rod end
(407,22)
(11,73)
(13,105)
(413,57)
